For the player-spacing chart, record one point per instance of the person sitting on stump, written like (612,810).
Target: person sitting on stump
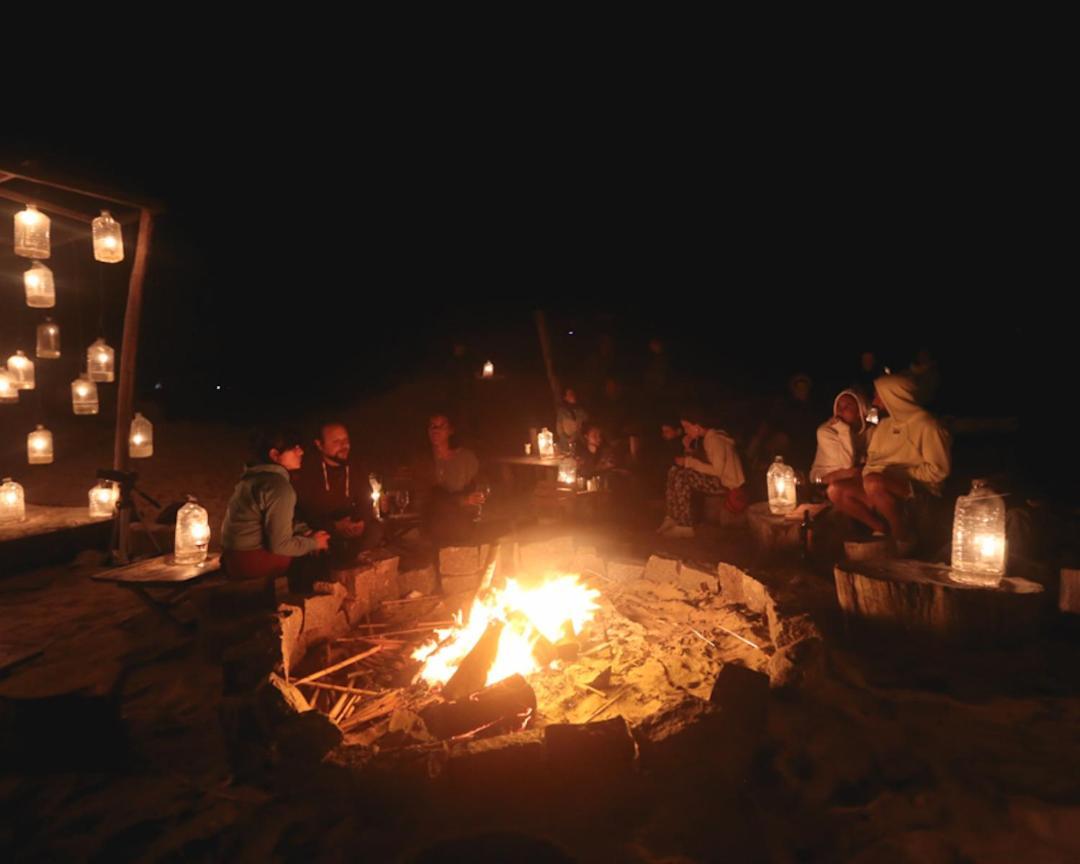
(715,470)
(843,440)
(909,455)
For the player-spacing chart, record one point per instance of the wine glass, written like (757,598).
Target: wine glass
(485,490)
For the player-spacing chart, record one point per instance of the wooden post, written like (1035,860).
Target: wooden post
(125,400)
(545,346)
(1069,597)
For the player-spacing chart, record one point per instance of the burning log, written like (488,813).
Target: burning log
(511,700)
(472,673)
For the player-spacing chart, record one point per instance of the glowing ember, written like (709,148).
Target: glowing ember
(527,614)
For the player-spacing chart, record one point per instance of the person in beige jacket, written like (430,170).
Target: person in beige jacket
(842,440)
(909,450)
(718,472)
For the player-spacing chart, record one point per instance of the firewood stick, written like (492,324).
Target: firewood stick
(372,710)
(621,692)
(737,636)
(341,688)
(702,638)
(438,625)
(405,600)
(332,714)
(594,649)
(356,658)
(344,707)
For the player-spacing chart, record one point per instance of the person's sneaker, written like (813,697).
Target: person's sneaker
(679,531)
(666,525)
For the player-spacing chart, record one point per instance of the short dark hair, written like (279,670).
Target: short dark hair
(280,438)
(328,421)
(694,414)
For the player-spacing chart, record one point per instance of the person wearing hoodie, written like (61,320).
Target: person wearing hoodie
(842,440)
(909,452)
(258,536)
(333,494)
(718,472)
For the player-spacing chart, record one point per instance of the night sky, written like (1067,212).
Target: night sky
(365,260)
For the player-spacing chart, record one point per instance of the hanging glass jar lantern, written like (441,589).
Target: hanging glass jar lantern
(9,391)
(39,446)
(12,501)
(108,239)
(141,439)
(103,498)
(31,233)
(568,471)
(489,370)
(99,361)
(781,480)
(84,398)
(48,340)
(545,444)
(40,286)
(192,533)
(21,369)
(978,540)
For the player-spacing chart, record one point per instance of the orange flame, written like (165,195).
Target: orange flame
(527,612)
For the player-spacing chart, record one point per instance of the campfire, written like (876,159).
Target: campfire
(514,630)
(532,649)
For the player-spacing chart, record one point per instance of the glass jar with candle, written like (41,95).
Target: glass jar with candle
(39,446)
(782,493)
(40,286)
(21,369)
(12,501)
(48,340)
(103,498)
(978,542)
(141,438)
(192,533)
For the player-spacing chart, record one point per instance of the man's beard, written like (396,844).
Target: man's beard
(338,460)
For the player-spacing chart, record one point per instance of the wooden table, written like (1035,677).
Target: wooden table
(161,572)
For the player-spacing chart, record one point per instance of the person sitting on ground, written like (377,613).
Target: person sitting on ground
(259,538)
(718,471)
(334,494)
(842,440)
(909,454)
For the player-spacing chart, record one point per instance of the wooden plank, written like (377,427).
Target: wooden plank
(159,570)
(356,658)
(1069,597)
(45,520)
